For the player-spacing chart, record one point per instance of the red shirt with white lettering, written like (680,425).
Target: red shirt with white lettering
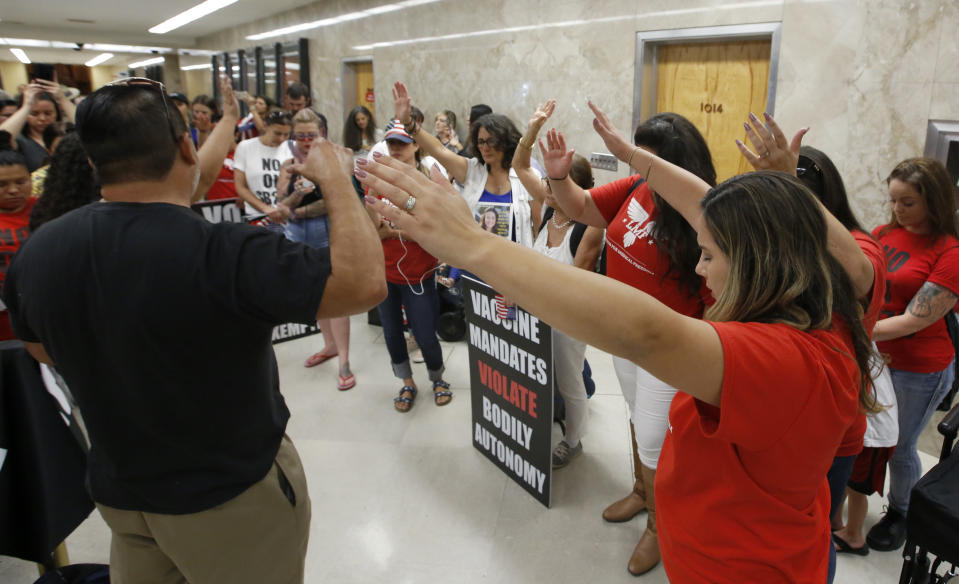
(852,442)
(224,186)
(913,260)
(632,256)
(741,488)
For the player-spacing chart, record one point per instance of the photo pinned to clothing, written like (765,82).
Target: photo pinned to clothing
(495,218)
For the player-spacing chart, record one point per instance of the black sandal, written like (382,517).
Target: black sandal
(408,400)
(444,393)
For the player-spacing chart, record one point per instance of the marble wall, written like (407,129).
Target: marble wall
(865,75)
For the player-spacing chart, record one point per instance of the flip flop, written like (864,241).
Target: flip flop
(844,548)
(346,383)
(317,358)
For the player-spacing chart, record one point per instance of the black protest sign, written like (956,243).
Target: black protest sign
(511,382)
(219,211)
(226,211)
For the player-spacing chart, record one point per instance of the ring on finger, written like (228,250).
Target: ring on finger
(765,154)
(410,203)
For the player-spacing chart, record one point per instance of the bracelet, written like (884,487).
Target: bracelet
(525,145)
(629,161)
(563,178)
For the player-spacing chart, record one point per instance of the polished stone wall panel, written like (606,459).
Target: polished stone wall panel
(865,75)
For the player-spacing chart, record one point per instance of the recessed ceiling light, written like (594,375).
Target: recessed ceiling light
(195,67)
(188,16)
(146,63)
(99,59)
(21,56)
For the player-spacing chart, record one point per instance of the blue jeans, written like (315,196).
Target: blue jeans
(917,395)
(421,312)
(314,232)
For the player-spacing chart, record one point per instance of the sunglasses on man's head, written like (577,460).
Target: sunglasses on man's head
(143,81)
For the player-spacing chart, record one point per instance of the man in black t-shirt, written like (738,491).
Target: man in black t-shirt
(189,464)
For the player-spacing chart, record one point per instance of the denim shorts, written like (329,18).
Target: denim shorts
(314,232)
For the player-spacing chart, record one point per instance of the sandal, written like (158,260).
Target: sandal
(441,394)
(317,358)
(408,400)
(843,547)
(346,383)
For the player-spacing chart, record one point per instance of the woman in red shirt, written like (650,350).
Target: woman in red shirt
(922,248)
(16,202)
(768,383)
(652,248)
(411,288)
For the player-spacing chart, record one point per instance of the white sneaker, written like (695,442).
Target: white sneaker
(563,454)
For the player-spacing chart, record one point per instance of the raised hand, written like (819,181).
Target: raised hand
(401,103)
(556,158)
(326,162)
(231,108)
(772,151)
(49,87)
(615,143)
(440,219)
(542,113)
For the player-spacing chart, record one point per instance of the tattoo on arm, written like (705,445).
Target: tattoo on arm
(931,302)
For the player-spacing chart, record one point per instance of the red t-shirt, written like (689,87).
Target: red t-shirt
(414,265)
(14,230)
(633,257)
(913,260)
(852,442)
(742,489)
(223,187)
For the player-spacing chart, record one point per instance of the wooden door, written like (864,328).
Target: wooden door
(715,85)
(364,86)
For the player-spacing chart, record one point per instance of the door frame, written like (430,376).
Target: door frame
(348,78)
(648,43)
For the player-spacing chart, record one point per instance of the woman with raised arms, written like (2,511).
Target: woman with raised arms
(768,382)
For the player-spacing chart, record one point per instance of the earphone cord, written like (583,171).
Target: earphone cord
(400,269)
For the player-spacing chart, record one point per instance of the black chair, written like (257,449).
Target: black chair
(932,524)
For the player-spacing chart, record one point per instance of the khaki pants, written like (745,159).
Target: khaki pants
(259,536)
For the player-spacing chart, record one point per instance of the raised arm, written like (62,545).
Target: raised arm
(684,352)
(774,153)
(454,164)
(218,144)
(357,280)
(14,124)
(571,198)
(521,158)
(931,303)
(680,188)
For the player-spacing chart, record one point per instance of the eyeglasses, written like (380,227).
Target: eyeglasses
(131,81)
(491,142)
(304,136)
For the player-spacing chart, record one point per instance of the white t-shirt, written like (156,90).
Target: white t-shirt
(261,165)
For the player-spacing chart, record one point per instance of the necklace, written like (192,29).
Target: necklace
(562,225)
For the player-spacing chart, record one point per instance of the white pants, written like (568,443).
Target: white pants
(568,355)
(648,399)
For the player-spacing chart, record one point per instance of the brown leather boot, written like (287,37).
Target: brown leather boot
(630,505)
(646,555)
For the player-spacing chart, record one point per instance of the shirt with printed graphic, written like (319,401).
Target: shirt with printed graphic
(633,257)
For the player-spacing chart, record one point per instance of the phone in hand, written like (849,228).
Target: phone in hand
(43,71)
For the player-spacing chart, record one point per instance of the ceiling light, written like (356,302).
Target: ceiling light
(146,63)
(100,59)
(196,67)
(24,42)
(338,19)
(187,16)
(21,56)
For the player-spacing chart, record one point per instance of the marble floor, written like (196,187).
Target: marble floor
(405,498)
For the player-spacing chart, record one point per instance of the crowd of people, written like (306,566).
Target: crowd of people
(776,357)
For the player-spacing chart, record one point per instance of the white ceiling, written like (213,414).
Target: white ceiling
(118,23)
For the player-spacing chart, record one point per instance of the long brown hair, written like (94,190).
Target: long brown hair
(780,269)
(931,180)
